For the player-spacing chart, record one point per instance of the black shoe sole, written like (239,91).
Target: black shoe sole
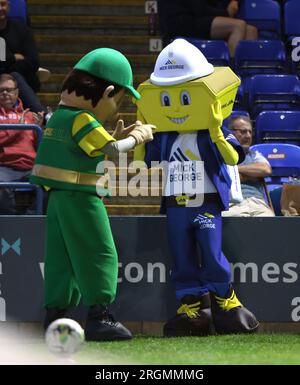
(246,331)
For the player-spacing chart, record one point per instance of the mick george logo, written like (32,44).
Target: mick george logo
(205,221)
(171,65)
(174,178)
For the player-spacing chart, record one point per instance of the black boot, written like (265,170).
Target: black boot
(230,316)
(52,314)
(193,318)
(100,326)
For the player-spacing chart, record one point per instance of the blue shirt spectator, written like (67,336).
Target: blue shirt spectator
(252,172)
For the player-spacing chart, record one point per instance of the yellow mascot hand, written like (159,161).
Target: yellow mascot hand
(215,131)
(227,151)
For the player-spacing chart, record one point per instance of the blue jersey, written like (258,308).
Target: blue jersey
(160,148)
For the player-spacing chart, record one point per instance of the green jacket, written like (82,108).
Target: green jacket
(61,163)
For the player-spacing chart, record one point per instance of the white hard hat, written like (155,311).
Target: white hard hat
(180,62)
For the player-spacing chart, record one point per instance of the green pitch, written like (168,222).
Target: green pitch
(277,349)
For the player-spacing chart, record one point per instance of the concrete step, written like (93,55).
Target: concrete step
(98,3)
(128,117)
(87,8)
(49,99)
(54,83)
(52,99)
(106,22)
(132,209)
(82,10)
(141,63)
(129,200)
(97,30)
(61,43)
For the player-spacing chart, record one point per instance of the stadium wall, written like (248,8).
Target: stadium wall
(264,253)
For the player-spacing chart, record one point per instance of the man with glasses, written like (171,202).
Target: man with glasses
(17,147)
(252,171)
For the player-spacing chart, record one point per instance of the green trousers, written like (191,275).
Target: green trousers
(81,258)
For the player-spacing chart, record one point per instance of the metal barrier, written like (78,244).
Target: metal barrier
(26,185)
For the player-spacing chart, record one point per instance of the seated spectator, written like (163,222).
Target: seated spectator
(17,147)
(204,19)
(252,171)
(21,57)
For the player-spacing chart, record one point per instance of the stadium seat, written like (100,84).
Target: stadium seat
(260,57)
(18,10)
(275,196)
(239,102)
(278,126)
(291,19)
(273,92)
(284,160)
(26,186)
(264,14)
(215,51)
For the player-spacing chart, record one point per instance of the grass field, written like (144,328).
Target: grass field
(259,349)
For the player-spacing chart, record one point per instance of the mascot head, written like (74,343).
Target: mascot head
(98,83)
(179,94)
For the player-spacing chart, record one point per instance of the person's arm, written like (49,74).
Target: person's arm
(27,58)
(254,171)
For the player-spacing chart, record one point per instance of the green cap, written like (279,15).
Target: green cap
(110,65)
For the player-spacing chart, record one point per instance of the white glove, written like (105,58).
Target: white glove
(142,133)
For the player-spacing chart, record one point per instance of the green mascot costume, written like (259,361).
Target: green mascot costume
(81,258)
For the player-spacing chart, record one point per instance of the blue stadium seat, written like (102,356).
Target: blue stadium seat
(215,51)
(18,10)
(264,14)
(278,126)
(284,159)
(260,57)
(275,196)
(273,92)
(26,186)
(239,102)
(291,19)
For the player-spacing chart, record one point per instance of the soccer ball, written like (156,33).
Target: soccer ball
(64,337)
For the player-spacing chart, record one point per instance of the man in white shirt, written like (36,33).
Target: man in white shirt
(252,171)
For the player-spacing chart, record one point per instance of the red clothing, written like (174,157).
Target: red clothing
(17,147)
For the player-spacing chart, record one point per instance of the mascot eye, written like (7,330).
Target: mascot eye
(165,99)
(185,98)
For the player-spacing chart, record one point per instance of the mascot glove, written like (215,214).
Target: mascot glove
(122,132)
(215,131)
(142,133)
